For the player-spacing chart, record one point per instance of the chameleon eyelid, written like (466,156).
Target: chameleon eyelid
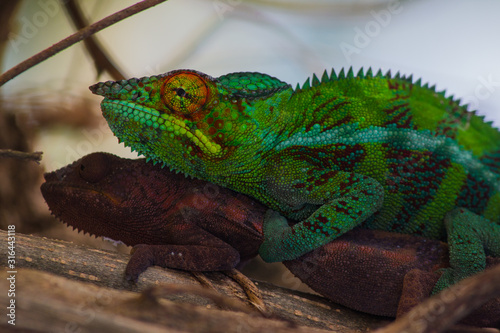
(184,93)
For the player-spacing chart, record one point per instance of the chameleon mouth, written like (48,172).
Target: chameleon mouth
(78,206)
(62,189)
(164,122)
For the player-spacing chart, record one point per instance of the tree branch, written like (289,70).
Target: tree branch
(51,299)
(76,37)
(101,59)
(21,155)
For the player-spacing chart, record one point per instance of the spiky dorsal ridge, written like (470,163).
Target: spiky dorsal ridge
(361,74)
(342,75)
(306,84)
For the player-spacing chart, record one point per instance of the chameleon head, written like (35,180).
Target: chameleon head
(186,119)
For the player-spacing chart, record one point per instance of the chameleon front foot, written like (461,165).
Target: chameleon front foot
(142,258)
(186,257)
(275,229)
(328,205)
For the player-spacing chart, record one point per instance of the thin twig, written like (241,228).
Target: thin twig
(101,59)
(76,37)
(21,155)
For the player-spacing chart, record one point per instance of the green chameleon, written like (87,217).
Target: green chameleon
(376,151)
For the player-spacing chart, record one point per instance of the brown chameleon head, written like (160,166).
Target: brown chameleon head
(117,198)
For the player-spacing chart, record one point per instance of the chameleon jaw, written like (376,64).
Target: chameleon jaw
(164,122)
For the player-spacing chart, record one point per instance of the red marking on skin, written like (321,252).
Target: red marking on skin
(395,108)
(343,207)
(322,105)
(300,185)
(407,123)
(401,115)
(212,131)
(337,230)
(219,124)
(310,155)
(393,84)
(322,219)
(202,125)
(345,120)
(328,114)
(312,226)
(347,185)
(210,120)
(309,225)
(148,88)
(325,177)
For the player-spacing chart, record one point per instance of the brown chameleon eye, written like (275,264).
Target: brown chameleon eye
(93,168)
(184,93)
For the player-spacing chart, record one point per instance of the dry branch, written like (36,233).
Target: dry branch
(76,37)
(102,60)
(62,298)
(21,155)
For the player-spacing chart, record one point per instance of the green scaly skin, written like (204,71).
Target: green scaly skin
(379,151)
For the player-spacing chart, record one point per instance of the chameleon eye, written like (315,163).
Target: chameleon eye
(94,167)
(184,93)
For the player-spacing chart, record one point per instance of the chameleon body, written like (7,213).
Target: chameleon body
(182,226)
(160,213)
(377,151)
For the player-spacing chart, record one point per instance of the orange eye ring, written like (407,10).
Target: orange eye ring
(184,93)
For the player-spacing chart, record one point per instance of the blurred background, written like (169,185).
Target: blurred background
(451,43)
